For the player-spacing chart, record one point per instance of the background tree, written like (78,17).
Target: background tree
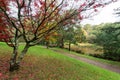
(80,34)
(61,36)
(89,29)
(51,39)
(70,36)
(108,36)
(74,34)
(29,19)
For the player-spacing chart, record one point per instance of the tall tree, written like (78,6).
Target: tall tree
(108,36)
(30,19)
(69,37)
(80,34)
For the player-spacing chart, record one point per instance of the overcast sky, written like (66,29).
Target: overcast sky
(105,15)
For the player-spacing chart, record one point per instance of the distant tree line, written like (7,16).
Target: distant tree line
(107,36)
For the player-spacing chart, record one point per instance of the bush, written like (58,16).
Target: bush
(79,51)
(97,55)
(108,36)
(114,57)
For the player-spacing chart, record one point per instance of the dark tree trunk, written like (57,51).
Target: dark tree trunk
(61,43)
(47,44)
(13,67)
(69,46)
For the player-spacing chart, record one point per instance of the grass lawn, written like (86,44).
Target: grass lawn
(45,64)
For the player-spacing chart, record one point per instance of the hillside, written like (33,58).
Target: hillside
(44,64)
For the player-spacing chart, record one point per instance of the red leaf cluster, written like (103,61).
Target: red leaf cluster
(1,74)
(97,5)
(80,17)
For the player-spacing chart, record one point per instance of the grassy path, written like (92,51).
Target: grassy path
(96,63)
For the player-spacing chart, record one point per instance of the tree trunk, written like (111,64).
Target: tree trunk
(13,65)
(14,62)
(47,44)
(61,42)
(69,45)
(24,51)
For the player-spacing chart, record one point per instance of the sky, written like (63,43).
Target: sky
(106,15)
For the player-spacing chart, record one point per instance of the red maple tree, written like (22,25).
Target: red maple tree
(34,19)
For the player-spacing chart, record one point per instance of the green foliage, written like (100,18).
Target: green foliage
(70,35)
(88,30)
(108,36)
(80,34)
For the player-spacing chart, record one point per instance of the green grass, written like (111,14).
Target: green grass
(45,64)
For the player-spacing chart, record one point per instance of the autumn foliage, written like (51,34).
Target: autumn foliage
(32,20)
